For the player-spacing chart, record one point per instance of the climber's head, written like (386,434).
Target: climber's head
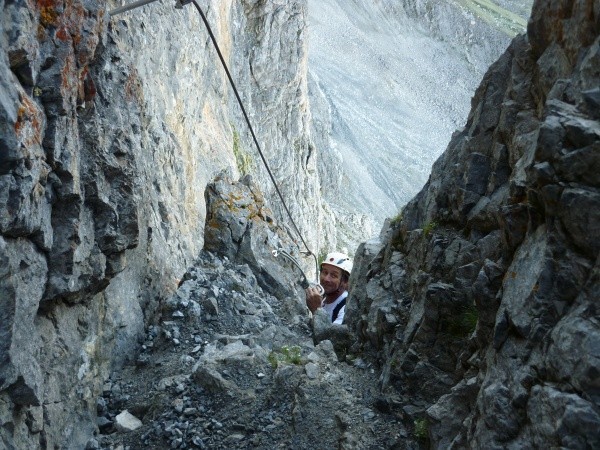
(335,273)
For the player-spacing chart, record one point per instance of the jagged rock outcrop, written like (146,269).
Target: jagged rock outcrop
(110,129)
(241,227)
(481,300)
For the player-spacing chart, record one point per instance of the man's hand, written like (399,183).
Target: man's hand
(313,299)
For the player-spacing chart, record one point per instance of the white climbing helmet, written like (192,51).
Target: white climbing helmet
(340,260)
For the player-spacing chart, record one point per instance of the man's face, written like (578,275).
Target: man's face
(330,277)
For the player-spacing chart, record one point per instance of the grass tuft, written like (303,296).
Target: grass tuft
(421,429)
(286,355)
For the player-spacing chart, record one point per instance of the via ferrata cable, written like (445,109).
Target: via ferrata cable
(179,4)
(237,96)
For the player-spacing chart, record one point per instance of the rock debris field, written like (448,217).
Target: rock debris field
(231,366)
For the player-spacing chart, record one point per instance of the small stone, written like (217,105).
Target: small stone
(126,421)
(312,370)
(236,437)
(190,411)
(178,405)
(198,442)
(368,415)
(92,444)
(260,375)
(101,406)
(178,315)
(104,424)
(187,360)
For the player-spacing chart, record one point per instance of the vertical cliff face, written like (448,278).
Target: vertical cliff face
(110,129)
(481,298)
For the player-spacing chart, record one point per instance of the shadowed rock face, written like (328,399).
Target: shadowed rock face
(482,298)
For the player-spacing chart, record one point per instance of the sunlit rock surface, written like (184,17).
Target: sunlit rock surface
(110,129)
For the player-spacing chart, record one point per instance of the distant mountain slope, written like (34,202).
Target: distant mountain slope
(396,79)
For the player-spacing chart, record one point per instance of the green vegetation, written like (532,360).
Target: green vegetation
(243,159)
(396,219)
(285,355)
(465,323)
(498,17)
(429,227)
(421,429)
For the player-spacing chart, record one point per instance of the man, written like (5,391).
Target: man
(334,276)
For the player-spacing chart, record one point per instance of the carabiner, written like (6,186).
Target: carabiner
(304,282)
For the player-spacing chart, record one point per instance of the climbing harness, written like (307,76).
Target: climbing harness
(337,309)
(179,4)
(304,281)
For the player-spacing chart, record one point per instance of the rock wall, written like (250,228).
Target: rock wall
(110,129)
(480,300)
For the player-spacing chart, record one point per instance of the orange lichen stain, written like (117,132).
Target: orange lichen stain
(86,90)
(48,11)
(74,18)
(133,87)
(28,126)
(63,34)
(48,15)
(76,38)
(20,118)
(41,32)
(508,275)
(46,3)
(69,78)
(213,223)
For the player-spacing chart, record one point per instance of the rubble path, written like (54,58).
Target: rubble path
(230,366)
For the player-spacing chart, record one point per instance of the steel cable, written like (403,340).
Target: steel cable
(237,95)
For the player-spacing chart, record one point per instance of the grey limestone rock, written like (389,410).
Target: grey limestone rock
(110,130)
(125,421)
(496,282)
(240,226)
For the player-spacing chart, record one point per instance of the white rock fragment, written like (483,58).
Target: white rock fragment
(127,422)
